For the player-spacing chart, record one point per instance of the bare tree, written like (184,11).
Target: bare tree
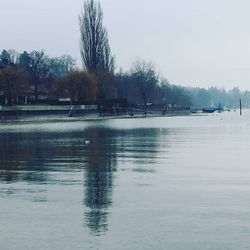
(60,66)
(146,79)
(38,69)
(13,56)
(12,82)
(94,44)
(68,62)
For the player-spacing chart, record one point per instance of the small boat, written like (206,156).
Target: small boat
(209,110)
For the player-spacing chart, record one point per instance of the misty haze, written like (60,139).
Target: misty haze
(124,125)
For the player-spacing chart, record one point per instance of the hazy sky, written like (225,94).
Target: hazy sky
(192,42)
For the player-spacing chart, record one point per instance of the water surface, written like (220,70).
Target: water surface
(155,183)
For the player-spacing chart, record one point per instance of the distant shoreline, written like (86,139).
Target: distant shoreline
(46,113)
(88,117)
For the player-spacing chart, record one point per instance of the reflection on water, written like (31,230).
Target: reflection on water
(101,164)
(159,183)
(22,158)
(37,159)
(101,156)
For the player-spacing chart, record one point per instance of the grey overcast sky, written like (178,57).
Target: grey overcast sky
(192,42)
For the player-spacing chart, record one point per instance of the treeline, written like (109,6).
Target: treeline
(131,86)
(39,76)
(215,96)
(31,73)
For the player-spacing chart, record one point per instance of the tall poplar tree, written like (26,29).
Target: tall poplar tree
(94,44)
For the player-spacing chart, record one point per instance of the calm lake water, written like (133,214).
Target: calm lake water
(134,184)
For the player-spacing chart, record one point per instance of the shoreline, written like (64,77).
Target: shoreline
(42,118)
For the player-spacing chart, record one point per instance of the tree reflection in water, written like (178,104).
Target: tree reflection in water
(22,158)
(107,149)
(35,158)
(101,163)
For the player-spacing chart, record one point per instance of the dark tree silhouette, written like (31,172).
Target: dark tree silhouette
(38,69)
(94,44)
(12,82)
(24,60)
(5,57)
(60,66)
(80,86)
(146,80)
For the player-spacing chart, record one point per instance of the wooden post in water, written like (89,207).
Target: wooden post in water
(240,107)
(1,108)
